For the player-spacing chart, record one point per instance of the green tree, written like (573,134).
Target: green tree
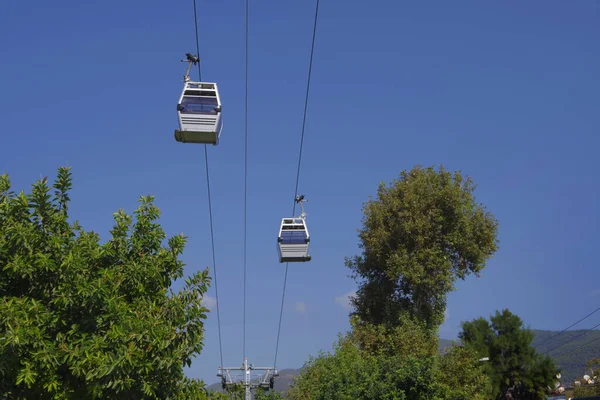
(411,337)
(422,233)
(463,375)
(350,374)
(589,384)
(372,362)
(513,363)
(80,319)
(262,394)
(419,236)
(234,391)
(214,395)
(369,363)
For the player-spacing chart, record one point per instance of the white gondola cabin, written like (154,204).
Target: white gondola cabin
(199,113)
(293,240)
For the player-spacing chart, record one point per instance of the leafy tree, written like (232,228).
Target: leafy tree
(362,367)
(422,233)
(214,395)
(374,363)
(419,236)
(235,391)
(589,384)
(84,320)
(411,337)
(513,366)
(463,375)
(349,374)
(267,395)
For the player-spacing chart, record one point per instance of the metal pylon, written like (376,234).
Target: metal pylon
(263,380)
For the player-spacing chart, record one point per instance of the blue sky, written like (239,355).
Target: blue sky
(506,92)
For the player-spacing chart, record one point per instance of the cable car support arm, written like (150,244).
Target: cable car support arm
(191,60)
(300,199)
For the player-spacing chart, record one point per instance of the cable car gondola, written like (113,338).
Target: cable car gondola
(293,239)
(198,110)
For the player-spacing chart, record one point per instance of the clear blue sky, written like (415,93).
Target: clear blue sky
(508,93)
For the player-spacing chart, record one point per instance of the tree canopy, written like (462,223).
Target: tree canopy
(589,383)
(422,233)
(392,369)
(261,394)
(85,319)
(513,366)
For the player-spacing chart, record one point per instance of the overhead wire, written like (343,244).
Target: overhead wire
(245,182)
(212,240)
(577,348)
(212,236)
(569,327)
(571,340)
(312,50)
(197,42)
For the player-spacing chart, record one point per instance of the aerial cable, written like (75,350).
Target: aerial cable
(577,348)
(197,43)
(312,50)
(212,239)
(569,341)
(569,327)
(245,183)
(212,236)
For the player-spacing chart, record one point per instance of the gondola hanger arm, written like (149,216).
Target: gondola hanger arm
(191,59)
(300,199)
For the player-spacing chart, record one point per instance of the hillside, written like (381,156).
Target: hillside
(572,364)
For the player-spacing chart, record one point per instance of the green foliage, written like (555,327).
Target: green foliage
(410,337)
(267,395)
(214,395)
(80,319)
(514,363)
(419,236)
(591,385)
(463,376)
(357,369)
(235,391)
(349,374)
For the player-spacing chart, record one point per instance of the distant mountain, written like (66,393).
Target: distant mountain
(573,364)
(445,343)
(570,350)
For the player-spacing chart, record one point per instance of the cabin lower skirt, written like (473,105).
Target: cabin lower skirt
(197,137)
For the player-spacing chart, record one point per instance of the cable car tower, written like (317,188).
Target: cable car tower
(265,381)
(198,110)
